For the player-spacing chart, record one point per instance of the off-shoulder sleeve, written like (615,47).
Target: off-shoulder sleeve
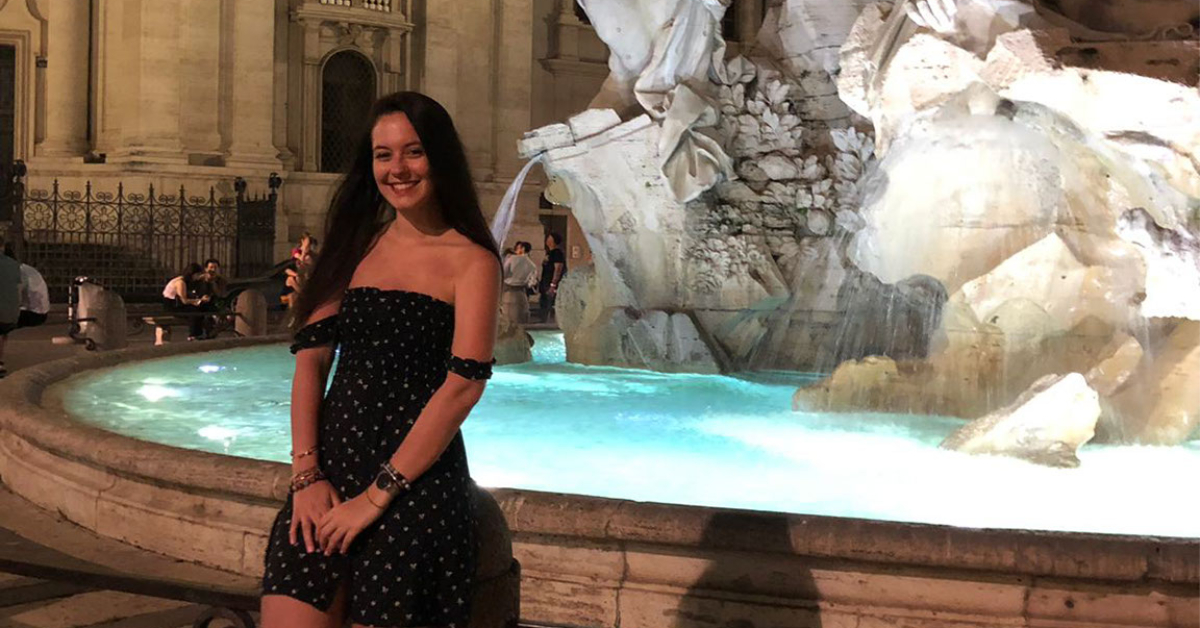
(470,369)
(322,332)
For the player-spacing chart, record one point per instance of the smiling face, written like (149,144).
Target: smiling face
(400,164)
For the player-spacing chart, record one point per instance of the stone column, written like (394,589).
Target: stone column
(393,71)
(201,81)
(477,83)
(439,78)
(283,59)
(149,73)
(514,50)
(309,98)
(251,141)
(67,62)
(566,31)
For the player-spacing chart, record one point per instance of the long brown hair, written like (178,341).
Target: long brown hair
(358,214)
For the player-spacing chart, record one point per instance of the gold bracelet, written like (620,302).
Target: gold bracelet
(368,494)
(302,454)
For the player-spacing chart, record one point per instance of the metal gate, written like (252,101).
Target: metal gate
(255,229)
(134,243)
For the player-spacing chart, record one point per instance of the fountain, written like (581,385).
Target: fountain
(970,214)
(937,209)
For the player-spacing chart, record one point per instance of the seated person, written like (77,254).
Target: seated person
(35,298)
(218,285)
(181,295)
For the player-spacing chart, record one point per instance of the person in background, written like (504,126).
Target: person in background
(519,272)
(303,258)
(10,299)
(218,286)
(305,245)
(180,295)
(35,298)
(553,269)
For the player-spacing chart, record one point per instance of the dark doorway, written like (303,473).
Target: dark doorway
(347,92)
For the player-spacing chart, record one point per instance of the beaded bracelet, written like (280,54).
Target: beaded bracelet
(304,479)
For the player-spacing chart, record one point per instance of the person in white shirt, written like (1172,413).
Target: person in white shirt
(520,273)
(35,298)
(178,297)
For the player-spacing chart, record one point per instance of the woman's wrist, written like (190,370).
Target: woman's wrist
(379,498)
(306,478)
(304,464)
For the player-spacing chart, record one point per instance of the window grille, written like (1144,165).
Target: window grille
(347,91)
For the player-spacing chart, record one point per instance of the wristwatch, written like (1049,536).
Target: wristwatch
(385,483)
(390,481)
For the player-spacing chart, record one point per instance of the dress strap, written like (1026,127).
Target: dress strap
(322,332)
(470,369)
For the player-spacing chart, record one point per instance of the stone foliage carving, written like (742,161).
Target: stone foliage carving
(790,184)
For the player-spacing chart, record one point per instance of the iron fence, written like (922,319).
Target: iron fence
(134,243)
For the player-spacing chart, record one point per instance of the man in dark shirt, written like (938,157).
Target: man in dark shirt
(554,266)
(10,298)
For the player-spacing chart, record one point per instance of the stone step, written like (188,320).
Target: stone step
(101,609)
(19,590)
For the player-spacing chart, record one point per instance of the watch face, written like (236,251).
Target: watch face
(384,482)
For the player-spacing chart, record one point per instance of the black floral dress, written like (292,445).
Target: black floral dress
(414,565)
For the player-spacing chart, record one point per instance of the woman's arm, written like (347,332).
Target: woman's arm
(308,390)
(181,291)
(476,302)
(558,272)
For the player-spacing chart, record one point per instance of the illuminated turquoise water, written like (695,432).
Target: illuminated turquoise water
(688,439)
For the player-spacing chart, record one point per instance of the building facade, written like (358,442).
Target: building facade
(196,93)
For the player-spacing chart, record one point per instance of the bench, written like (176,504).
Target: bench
(164,321)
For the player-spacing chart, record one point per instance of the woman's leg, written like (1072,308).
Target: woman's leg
(281,611)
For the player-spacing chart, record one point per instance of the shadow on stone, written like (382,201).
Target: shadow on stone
(732,572)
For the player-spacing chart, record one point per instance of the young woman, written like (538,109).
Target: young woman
(379,524)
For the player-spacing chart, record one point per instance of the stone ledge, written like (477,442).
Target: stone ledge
(27,413)
(1032,553)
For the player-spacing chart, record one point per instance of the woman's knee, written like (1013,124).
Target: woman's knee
(281,611)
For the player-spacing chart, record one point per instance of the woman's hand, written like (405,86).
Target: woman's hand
(309,505)
(341,525)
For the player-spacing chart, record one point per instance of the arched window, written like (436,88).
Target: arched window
(347,91)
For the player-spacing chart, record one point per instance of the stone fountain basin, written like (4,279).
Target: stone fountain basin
(590,561)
